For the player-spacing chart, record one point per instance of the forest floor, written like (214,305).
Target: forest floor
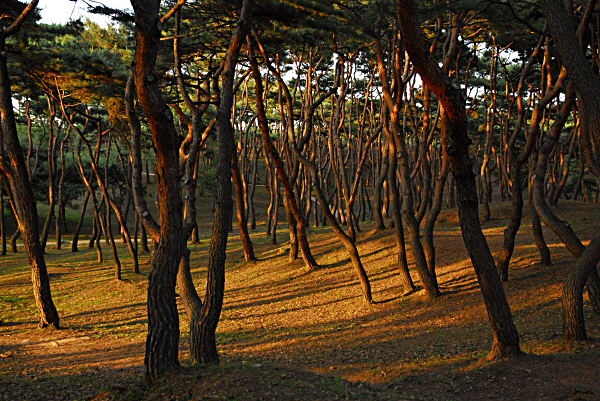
(291,334)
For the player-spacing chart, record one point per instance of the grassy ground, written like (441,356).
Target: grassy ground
(291,334)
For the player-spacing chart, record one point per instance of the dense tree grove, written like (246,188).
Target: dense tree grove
(349,111)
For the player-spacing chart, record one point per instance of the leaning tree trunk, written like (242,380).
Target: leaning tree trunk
(75,241)
(206,348)
(573,318)
(13,240)
(405,278)
(436,207)
(515,163)
(52,141)
(287,182)
(61,218)
(2,220)
(346,240)
(18,184)
(456,141)
(587,85)
(377,193)
(241,213)
(162,342)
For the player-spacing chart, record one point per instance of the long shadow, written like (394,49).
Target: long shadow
(289,295)
(12,327)
(385,301)
(335,264)
(105,310)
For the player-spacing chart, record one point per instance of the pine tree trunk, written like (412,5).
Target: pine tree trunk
(241,214)
(162,343)
(2,220)
(396,210)
(215,287)
(456,141)
(18,183)
(13,240)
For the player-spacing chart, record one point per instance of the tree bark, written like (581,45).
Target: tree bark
(515,162)
(456,141)
(346,240)
(587,86)
(206,348)
(240,209)
(2,220)
(162,342)
(18,184)
(295,216)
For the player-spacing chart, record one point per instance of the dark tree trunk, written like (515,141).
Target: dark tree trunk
(456,141)
(241,214)
(2,220)
(309,261)
(60,218)
(270,186)
(515,163)
(377,195)
(52,140)
(573,318)
(510,232)
(75,242)
(292,207)
(293,229)
(13,240)
(254,177)
(436,207)
(162,343)
(348,241)
(399,163)
(113,245)
(18,183)
(275,213)
(206,348)
(144,239)
(587,86)
(395,204)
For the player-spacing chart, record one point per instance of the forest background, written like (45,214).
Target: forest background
(342,115)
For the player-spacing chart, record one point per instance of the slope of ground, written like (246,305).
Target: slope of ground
(291,334)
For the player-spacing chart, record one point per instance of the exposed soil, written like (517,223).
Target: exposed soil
(291,334)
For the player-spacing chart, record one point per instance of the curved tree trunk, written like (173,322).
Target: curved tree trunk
(241,214)
(162,343)
(395,204)
(346,240)
(75,241)
(215,286)
(573,318)
(18,184)
(290,198)
(378,196)
(52,141)
(275,213)
(190,299)
(436,207)
(2,220)
(456,141)
(60,218)
(586,83)
(13,240)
